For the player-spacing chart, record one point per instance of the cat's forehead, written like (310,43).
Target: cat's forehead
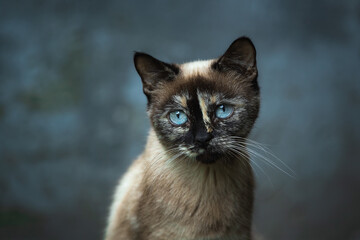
(206,97)
(196,68)
(198,80)
(181,98)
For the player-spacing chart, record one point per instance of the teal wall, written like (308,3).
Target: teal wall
(72,112)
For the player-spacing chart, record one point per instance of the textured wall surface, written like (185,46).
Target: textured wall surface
(72,112)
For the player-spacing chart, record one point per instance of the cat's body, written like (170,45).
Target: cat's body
(192,181)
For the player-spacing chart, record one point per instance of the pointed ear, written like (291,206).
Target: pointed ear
(153,72)
(239,57)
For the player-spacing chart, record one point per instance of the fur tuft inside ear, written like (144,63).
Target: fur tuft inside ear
(153,72)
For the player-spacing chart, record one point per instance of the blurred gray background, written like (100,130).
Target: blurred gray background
(72,112)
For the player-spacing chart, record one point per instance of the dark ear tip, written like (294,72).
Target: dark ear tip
(244,40)
(138,55)
(142,59)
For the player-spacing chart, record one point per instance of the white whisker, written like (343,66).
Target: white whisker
(242,142)
(252,161)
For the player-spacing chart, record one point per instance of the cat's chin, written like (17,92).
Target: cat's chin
(208,158)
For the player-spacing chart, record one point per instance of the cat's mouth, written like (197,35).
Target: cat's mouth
(207,157)
(204,154)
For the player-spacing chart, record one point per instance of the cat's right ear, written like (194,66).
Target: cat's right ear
(239,57)
(153,72)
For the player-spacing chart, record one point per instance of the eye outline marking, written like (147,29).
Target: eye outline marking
(175,124)
(228,116)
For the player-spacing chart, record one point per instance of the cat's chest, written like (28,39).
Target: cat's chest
(196,203)
(204,195)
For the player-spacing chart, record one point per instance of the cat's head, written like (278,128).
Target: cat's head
(200,109)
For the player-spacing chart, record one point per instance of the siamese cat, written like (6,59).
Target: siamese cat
(194,180)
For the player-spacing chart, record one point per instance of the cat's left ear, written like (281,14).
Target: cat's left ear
(239,57)
(153,72)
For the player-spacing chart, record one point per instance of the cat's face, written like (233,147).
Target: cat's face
(200,109)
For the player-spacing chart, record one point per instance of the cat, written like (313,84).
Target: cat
(194,180)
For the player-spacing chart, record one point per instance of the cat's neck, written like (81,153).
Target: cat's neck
(207,198)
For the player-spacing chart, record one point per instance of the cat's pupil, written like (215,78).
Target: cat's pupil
(178,114)
(222,107)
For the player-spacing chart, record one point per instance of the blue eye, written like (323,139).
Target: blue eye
(224,111)
(178,117)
